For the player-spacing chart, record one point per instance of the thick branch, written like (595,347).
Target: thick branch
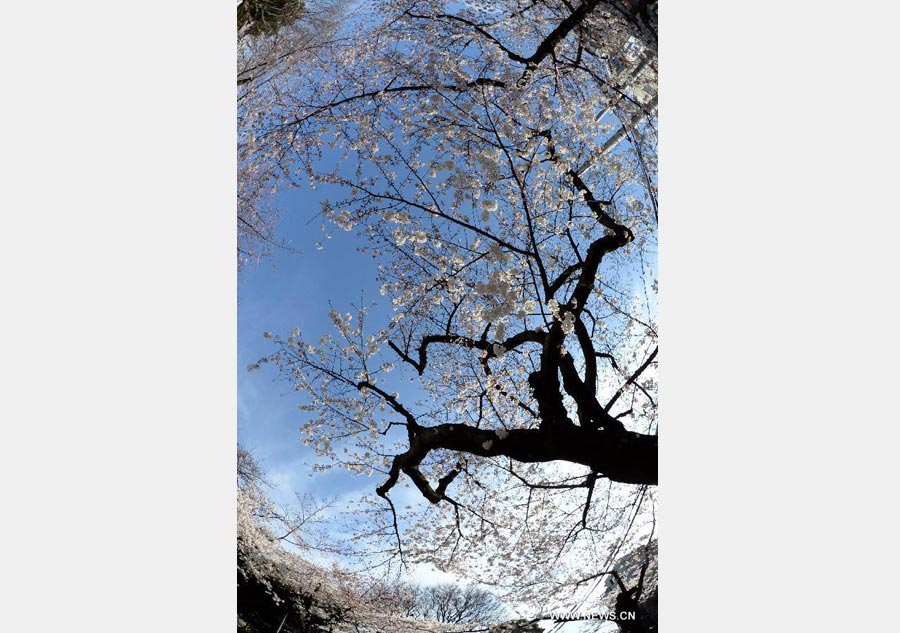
(588,405)
(625,456)
(544,49)
(560,32)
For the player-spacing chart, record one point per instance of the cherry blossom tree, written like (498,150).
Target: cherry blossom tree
(277,588)
(504,180)
(280,590)
(276,39)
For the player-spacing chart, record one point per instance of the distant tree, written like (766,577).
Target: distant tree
(449,602)
(396,596)
(249,474)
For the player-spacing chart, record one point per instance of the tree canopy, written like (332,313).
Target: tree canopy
(270,54)
(499,164)
(280,590)
(257,17)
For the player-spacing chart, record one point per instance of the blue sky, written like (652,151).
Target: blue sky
(293,290)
